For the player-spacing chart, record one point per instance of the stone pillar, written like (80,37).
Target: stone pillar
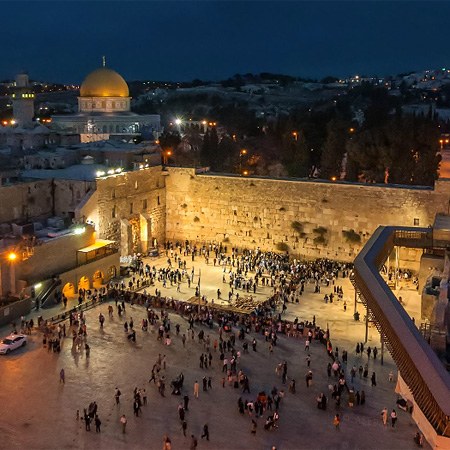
(146,232)
(126,238)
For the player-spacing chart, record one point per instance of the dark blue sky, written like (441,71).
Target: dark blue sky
(63,41)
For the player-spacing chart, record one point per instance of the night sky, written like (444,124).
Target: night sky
(63,41)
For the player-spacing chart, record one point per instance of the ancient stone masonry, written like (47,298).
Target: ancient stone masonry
(131,209)
(305,217)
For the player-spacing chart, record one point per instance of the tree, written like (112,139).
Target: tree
(333,149)
(209,148)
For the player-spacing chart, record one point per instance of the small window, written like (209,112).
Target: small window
(416,222)
(113,194)
(131,208)
(144,205)
(113,212)
(158,201)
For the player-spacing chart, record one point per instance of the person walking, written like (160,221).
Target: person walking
(337,421)
(205,432)
(373,379)
(194,443)
(123,421)
(98,422)
(184,427)
(117,396)
(384,416)
(62,376)
(393,418)
(196,388)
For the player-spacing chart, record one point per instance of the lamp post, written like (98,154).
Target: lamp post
(12,271)
(242,153)
(166,155)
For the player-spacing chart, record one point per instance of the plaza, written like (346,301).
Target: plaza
(41,411)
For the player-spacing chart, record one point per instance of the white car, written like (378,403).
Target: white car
(11,342)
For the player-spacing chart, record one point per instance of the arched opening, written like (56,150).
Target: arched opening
(83,283)
(68,289)
(97,279)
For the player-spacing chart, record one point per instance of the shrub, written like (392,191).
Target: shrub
(282,247)
(320,230)
(351,236)
(184,205)
(297,226)
(282,209)
(320,240)
(196,219)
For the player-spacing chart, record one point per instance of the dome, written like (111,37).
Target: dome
(104,82)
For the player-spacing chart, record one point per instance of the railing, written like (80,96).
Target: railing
(419,366)
(45,294)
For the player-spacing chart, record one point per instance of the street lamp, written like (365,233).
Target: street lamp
(166,155)
(12,257)
(295,135)
(242,153)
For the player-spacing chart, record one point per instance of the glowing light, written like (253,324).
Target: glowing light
(204,122)
(13,122)
(178,121)
(38,286)
(333,178)
(111,171)
(100,173)
(12,256)
(79,230)
(118,170)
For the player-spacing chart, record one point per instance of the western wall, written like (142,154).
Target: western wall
(306,217)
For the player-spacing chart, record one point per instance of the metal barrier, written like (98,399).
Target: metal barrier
(419,366)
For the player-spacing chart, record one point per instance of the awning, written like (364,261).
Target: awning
(99,243)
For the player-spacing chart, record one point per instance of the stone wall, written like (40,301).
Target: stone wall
(135,197)
(310,218)
(33,200)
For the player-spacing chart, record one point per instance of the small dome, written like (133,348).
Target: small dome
(104,82)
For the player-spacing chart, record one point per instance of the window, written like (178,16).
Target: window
(131,208)
(144,205)
(113,212)
(416,222)
(113,194)
(158,201)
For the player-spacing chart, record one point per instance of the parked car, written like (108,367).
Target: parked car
(11,342)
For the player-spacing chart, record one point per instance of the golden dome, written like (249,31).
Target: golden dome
(104,82)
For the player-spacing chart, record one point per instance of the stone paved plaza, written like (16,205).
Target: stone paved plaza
(38,412)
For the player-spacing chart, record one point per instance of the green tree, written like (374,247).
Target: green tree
(333,149)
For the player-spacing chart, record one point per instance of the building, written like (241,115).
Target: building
(23,101)
(104,110)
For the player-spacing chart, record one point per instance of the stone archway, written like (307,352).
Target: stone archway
(83,283)
(97,279)
(68,289)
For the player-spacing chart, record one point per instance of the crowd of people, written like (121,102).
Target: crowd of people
(225,336)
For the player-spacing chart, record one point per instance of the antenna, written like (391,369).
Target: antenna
(104,61)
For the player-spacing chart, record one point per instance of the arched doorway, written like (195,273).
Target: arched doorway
(83,283)
(68,289)
(97,279)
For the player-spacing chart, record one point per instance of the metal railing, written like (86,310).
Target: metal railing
(419,366)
